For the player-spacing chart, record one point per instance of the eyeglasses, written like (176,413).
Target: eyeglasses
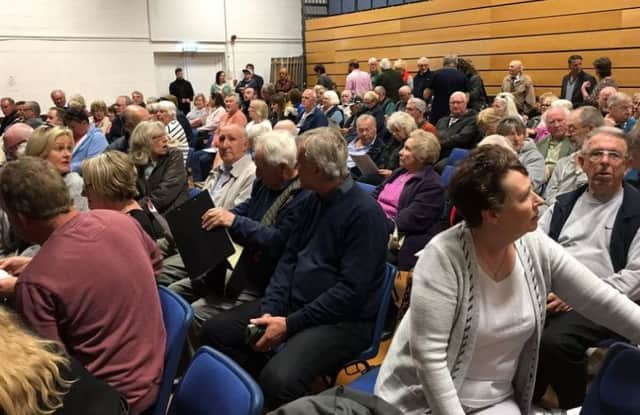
(613,156)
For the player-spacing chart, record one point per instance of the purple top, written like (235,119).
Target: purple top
(389,197)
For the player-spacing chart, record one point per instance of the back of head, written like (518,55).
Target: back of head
(288,126)
(385,64)
(278,148)
(327,149)
(450,61)
(134,115)
(75,114)
(32,187)
(590,117)
(498,140)
(16,134)
(112,175)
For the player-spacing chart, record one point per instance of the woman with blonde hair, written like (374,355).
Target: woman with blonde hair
(198,115)
(99,114)
(55,144)
(37,378)
(505,105)
(259,124)
(488,121)
(110,182)
(162,179)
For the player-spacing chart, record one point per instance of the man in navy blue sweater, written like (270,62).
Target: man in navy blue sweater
(323,297)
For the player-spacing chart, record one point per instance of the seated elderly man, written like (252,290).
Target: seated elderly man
(556,144)
(370,105)
(131,117)
(312,117)
(89,140)
(459,128)
(621,111)
(597,224)
(15,140)
(29,113)
(261,225)
(90,286)
(404,95)
(568,175)
(364,143)
(321,302)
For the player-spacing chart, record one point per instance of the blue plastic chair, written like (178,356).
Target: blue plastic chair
(369,188)
(447,172)
(456,156)
(215,384)
(372,350)
(616,388)
(193,192)
(366,382)
(177,315)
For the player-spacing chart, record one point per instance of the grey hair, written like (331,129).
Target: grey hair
(564,109)
(380,90)
(590,117)
(167,106)
(385,63)
(366,117)
(616,99)
(426,147)
(565,103)
(325,147)
(236,96)
(419,103)
(403,121)
(141,141)
(332,96)
(278,147)
(372,60)
(610,131)
(286,125)
(499,140)
(450,60)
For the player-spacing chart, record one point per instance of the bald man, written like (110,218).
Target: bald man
(15,140)
(521,86)
(131,117)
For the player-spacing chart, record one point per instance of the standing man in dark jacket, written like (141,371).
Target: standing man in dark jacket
(444,82)
(323,297)
(259,80)
(572,82)
(422,78)
(182,89)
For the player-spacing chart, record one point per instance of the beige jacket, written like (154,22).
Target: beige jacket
(238,187)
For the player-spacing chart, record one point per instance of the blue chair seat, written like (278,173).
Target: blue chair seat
(366,382)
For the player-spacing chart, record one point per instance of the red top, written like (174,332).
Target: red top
(92,286)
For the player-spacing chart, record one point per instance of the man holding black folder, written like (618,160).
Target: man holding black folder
(261,225)
(322,299)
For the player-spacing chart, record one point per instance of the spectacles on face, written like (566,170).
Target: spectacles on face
(614,157)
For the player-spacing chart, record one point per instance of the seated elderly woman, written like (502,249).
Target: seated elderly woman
(110,182)
(162,179)
(198,115)
(259,115)
(165,112)
(469,342)
(331,109)
(400,125)
(413,197)
(55,144)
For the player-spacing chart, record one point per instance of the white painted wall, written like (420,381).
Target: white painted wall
(102,49)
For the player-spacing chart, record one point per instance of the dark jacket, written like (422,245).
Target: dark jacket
(314,120)
(120,144)
(391,80)
(420,82)
(477,93)
(462,134)
(117,130)
(8,120)
(625,225)
(443,83)
(419,212)
(374,152)
(376,112)
(576,96)
(332,269)
(167,185)
(181,88)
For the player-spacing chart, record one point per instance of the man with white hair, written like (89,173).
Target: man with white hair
(416,107)
(603,100)
(620,111)
(260,224)
(404,95)
(521,86)
(388,106)
(374,70)
(364,143)
(15,140)
(324,294)
(458,129)
(422,78)
(557,144)
(312,117)
(59,98)
(390,79)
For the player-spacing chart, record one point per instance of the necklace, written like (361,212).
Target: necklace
(494,273)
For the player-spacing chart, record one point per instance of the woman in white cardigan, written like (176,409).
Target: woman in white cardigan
(469,342)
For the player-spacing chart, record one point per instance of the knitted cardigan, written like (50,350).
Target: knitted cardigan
(433,345)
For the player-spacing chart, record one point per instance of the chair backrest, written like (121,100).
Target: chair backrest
(447,172)
(456,155)
(389,278)
(369,188)
(215,384)
(616,388)
(177,315)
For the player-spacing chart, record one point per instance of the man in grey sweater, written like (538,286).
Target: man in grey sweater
(597,224)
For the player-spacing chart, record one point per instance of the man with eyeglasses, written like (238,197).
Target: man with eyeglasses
(597,224)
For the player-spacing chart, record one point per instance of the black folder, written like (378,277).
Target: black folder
(201,250)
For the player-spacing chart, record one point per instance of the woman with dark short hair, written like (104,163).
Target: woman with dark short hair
(469,341)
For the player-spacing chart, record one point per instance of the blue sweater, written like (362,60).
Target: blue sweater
(332,268)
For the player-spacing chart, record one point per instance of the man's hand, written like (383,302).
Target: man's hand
(8,286)
(217,217)
(15,265)
(384,172)
(275,332)
(555,304)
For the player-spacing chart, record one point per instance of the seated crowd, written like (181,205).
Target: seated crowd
(319,189)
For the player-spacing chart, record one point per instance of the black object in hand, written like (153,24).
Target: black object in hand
(254,333)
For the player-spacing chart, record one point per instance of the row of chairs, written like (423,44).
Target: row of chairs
(213,383)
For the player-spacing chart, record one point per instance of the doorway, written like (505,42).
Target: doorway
(199,69)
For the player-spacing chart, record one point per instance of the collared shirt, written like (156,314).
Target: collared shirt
(223,179)
(357,151)
(571,84)
(358,82)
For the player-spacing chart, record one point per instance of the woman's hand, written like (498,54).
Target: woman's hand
(15,265)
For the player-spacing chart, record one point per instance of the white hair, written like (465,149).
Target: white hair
(167,106)
(499,140)
(385,63)
(278,147)
(326,148)
(288,126)
(372,60)
(332,96)
(564,103)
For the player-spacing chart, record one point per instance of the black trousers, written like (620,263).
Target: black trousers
(562,361)
(285,376)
